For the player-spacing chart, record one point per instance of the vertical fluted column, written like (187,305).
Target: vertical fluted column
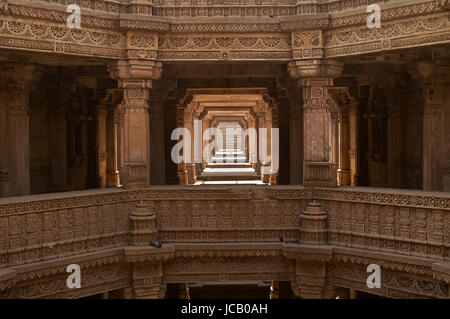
(135,78)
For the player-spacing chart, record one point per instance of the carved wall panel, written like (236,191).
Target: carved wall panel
(225,47)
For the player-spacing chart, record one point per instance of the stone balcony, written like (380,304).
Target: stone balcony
(264,233)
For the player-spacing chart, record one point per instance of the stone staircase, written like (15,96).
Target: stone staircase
(229,165)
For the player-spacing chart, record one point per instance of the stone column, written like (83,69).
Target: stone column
(112,140)
(334,135)
(266,169)
(296,137)
(135,78)
(260,124)
(315,78)
(182,172)
(353,152)
(16,84)
(189,125)
(157,137)
(434,80)
(344,173)
(102,155)
(58,143)
(206,139)
(252,141)
(433,122)
(394,142)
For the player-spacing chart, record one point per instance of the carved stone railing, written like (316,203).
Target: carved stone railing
(43,227)
(406,232)
(401,222)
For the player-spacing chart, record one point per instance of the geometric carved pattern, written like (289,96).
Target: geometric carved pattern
(400,223)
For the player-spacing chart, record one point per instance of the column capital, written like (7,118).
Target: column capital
(315,72)
(135,73)
(430,72)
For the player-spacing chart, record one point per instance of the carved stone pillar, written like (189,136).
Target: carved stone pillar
(16,84)
(157,137)
(252,141)
(433,127)
(260,124)
(206,125)
(189,125)
(315,78)
(112,140)
(344,172)
(434,80)
(296,137)
(102,155)
(394,141)
(334,135)
(58,143)
(266,168)
(353,152)
(135,78)
(119,120)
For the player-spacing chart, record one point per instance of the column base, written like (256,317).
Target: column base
(191,172)
(320,174)
(112,179)
(344,177)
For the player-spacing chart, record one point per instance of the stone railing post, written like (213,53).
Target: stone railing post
(313,224)
(143,226)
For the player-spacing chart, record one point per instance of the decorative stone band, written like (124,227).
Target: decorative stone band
(38,27)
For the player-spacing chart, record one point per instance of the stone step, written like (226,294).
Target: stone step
(231,159)
(229,165)
(228,174)
(229,153)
